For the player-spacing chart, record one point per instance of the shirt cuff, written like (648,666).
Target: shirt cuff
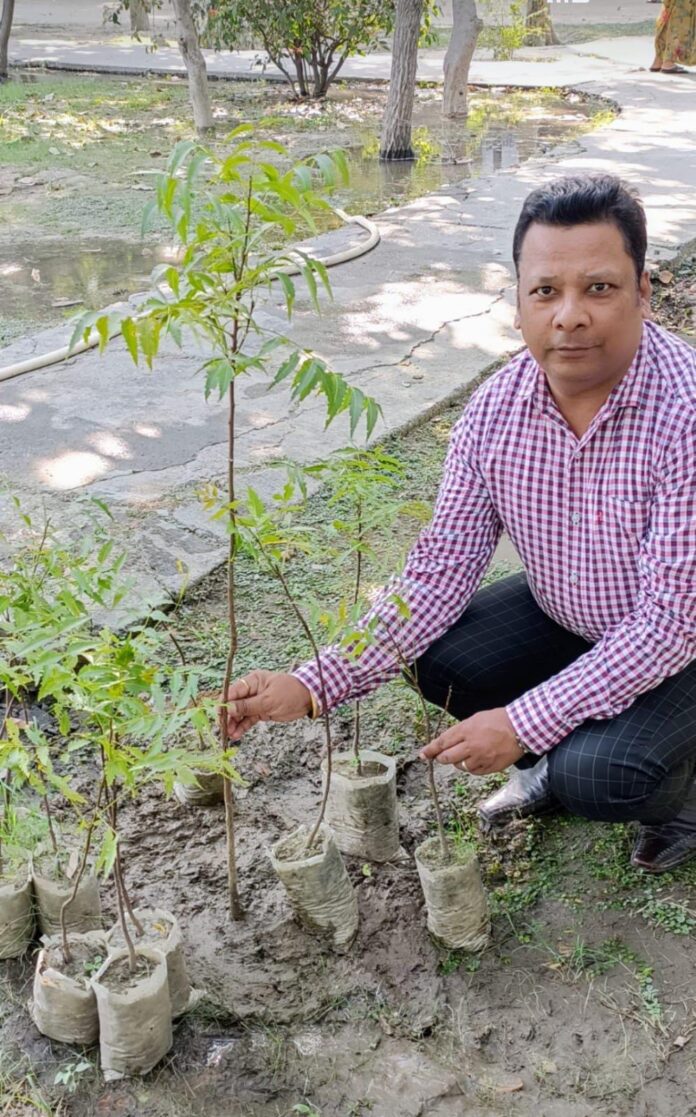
(536,722)
(336,679)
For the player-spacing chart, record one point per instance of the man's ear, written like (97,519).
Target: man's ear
(517,322)
(645,295)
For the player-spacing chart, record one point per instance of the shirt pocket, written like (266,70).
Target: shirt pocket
(630,518)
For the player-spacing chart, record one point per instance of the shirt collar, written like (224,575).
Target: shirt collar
(631,391)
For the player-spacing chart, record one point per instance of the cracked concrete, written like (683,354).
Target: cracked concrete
(412,323)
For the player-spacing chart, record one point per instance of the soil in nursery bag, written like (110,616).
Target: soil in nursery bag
(135,1019)
(456,903)
(362,808)
(16,915)
(52,887)
(317,885)
(161,930)
(208,791)
(64,1007)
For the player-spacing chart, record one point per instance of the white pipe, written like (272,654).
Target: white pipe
(58,355)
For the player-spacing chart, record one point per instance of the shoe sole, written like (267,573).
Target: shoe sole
(655,870)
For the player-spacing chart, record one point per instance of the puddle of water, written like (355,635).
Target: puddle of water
(450,151)
(52,278)
(49,279)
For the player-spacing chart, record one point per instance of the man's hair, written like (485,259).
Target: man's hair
(586,200)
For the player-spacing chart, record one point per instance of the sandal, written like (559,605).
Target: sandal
(676,69)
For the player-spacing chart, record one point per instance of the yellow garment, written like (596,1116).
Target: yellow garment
(675,40)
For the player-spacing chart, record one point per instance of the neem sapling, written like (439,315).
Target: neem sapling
(232,216)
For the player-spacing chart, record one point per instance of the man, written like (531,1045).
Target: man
(581,671)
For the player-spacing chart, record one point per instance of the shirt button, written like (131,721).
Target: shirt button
(573,579)
(575,518)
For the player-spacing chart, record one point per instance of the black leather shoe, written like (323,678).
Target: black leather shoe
(526,793)
(661,848)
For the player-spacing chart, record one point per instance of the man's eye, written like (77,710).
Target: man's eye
(545,290)
(601,287)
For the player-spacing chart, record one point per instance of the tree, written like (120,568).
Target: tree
(540,30)
(395,142)
(195,66)
(5,27)
(466,27)
(230,257)
(308,40)
(139,11)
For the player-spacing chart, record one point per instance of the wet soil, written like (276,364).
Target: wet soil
(368,769)
(397,1027)
(120,978)
(431,854)
(84,959)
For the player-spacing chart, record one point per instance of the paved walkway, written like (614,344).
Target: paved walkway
(532,66)
(412,323)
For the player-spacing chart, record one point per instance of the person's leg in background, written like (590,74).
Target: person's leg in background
(638,766)
(501,646)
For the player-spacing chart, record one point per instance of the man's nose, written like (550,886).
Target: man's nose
(571,313)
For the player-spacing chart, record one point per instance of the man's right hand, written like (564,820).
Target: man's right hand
(265,696)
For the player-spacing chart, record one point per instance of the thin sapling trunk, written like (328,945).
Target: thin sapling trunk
(327,721)
(122,901)
(356,598)
(236,909)
(51,831)
(413,679)
(67,955)
(442,834)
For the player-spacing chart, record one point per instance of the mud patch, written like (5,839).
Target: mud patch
(554,1019)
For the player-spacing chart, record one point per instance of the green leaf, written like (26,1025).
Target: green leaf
(130,336)
(106,856)
(288,290)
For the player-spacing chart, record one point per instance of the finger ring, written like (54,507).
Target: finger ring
(464,767)
(246,683)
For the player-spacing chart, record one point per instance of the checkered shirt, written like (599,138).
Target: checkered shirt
(605,526)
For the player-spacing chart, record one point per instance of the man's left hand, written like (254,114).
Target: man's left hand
(481,744)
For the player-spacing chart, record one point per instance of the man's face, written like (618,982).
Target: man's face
(580,307)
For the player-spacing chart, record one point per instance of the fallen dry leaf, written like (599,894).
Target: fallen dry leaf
(665,277)
(681,1041)
(511,1088)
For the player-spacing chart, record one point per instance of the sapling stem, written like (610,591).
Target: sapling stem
(67,955)
(49,819)
(121,895)
(121,904)
(413,679)
(356,598)
(122,880)
(236,909)
(327,721)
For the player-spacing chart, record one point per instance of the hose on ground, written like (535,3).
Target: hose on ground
(43,360)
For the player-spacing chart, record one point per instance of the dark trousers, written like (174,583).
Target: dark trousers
(637,765)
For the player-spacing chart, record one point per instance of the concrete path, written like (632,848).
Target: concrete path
(532,66)
(412,323)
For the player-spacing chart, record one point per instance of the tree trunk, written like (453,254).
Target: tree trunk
(466,27)
(195,66)
(139,16)
(395,141)
(540,30)
(5,26)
